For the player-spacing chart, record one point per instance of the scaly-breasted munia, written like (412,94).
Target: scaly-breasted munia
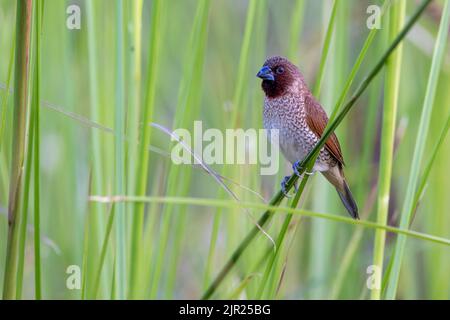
(290,107)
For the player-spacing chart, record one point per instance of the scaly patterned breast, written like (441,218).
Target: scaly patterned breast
(287,114)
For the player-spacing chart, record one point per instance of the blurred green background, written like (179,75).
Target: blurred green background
(199,58)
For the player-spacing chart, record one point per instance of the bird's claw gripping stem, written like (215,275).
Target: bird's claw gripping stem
(297,168)
(283,186)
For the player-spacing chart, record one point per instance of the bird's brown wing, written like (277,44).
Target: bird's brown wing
(317,120)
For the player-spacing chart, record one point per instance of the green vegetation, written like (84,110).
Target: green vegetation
(88,182)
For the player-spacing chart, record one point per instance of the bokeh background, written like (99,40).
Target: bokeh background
(197,60)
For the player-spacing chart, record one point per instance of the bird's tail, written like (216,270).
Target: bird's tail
(336,176)
(348,200)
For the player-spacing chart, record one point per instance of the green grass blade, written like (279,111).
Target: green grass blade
(429,166)
(326,48)
(244,59)
(26,182)
(135,70)
(156,36)
(298,14)
(358,62)
(134,111)
(5,96)
(103,251)
(96,146)
(273,208)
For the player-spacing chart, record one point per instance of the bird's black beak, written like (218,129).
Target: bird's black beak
(266,74)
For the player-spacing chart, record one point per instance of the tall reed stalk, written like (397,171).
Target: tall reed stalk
(21,75)
(120,228)
(396,19)
(32,161)
(146,116)
(134,112)
(36,152)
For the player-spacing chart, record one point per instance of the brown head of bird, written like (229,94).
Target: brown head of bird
(278,75)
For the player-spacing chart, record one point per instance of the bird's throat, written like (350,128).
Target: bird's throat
(272,89)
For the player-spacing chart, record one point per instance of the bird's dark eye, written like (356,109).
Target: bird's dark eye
(280,70)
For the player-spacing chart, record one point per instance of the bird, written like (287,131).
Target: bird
(291,108)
